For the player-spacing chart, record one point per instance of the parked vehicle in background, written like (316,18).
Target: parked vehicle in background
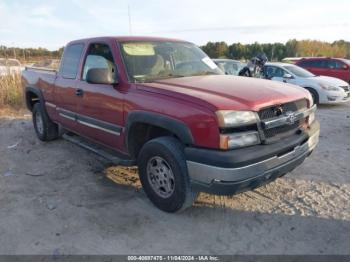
(10,67)
(291,60)
(326,66)
(48,63)
(254,66)
(324,89)
(164,105)
(229,66)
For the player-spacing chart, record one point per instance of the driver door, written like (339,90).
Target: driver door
(100,107)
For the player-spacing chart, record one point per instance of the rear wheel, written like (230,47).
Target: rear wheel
(163,174)
(45,129)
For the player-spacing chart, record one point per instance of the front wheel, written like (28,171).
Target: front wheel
(314,95)
(163,174)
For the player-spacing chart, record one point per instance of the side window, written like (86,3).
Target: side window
(70,61)
(313,63)
(98,56)
(272,71)
(334,64)
(307,63)
(320,63)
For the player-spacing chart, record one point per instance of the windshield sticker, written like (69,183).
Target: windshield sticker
(139,49)
(209,62)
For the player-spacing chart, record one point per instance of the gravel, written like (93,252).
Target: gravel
(61,199)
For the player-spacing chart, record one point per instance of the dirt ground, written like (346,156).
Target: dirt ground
(56,198)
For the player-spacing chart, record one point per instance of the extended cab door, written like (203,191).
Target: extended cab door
(65,93)
(100,106)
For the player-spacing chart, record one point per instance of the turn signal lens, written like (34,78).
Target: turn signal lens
(238,140)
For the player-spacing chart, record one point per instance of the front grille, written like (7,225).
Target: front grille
(346,88)
(281,131)
(274,112)
(270,112)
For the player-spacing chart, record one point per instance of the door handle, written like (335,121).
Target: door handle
(79,92)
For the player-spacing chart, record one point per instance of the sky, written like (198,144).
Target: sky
(52,23)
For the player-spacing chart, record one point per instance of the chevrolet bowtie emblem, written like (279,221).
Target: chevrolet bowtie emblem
(290,118)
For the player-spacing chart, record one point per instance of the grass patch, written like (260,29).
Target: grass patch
(11,91)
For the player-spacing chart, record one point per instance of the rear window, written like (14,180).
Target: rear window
(71,60)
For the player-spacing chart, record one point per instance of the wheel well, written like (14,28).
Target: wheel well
(31,99)
(140,133)
(310,89)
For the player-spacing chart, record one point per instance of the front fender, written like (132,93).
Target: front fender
(172,125)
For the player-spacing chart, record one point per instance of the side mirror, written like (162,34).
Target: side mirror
(101,76)
(344,67)
(288,76)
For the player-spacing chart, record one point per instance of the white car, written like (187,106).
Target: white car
(10,67)
(324,89)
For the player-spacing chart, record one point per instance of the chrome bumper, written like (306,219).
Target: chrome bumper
(208,174)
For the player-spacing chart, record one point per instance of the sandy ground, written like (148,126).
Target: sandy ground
(56,198)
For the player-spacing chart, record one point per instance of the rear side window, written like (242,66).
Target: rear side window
(70,61)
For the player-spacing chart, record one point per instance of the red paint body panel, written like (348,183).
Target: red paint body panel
(190,100)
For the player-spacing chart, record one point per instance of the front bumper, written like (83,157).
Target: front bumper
(336,99)
(234,171)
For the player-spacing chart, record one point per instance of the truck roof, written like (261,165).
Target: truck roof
(127,38)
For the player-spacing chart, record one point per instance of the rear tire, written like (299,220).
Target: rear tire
(45,129)
(163,174)
(314,95)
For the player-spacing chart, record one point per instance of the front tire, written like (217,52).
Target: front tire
(314,95)
(163,174)
(45,129)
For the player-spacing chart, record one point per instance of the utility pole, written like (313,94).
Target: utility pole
(129,15)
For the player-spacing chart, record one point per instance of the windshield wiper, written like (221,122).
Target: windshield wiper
(204,73)
(160,77)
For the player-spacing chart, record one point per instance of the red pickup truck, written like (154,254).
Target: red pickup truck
(163,105)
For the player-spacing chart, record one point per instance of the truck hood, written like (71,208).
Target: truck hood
(228,92)
(329,81)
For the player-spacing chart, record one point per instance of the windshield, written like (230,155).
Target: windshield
(298,71)
(149,61)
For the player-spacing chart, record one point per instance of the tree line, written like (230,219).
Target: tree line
(29,54)
(278,51)
(274,51)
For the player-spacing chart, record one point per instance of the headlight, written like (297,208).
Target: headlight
(229,118)
(243,139)
(330,87)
